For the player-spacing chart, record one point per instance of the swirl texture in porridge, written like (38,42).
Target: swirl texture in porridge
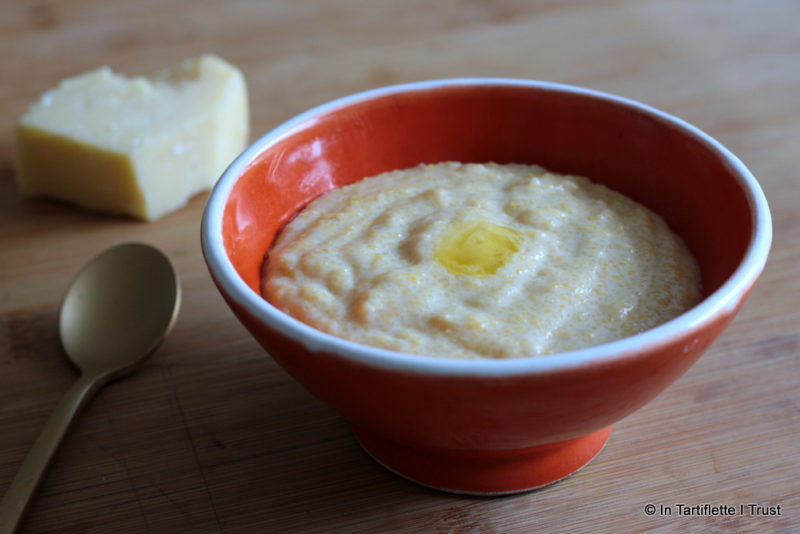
(479,261)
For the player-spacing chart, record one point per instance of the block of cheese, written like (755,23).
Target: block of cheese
(137,146)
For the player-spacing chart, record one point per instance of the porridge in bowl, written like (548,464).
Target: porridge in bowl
(479,261)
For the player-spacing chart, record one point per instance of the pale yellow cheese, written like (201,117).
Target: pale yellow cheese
(136,146)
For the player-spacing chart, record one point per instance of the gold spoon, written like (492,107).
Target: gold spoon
(116,312)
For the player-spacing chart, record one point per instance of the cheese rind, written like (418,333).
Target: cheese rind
(136,146)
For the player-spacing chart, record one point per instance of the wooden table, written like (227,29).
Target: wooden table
(212,436)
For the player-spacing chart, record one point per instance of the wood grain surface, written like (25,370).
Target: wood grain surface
(212,436)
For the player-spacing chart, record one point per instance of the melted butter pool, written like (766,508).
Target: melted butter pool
(477,248)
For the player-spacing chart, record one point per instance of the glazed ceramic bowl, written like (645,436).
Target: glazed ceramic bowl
(489,426)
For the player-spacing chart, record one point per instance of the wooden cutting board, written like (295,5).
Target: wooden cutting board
(212,436)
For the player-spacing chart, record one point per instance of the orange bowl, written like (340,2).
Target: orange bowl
(489,426)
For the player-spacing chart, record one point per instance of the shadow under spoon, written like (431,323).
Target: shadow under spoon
(115,313)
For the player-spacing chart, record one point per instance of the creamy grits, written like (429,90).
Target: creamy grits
(479,261)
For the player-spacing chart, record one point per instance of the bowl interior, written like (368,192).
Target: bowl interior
(661,163)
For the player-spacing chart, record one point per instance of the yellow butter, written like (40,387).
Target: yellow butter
(476,248)
(137,146)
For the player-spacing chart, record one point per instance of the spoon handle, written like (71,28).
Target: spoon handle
(30,473)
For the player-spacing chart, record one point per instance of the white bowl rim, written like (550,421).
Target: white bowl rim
(724,300)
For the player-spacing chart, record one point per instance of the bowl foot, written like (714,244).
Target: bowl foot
(484,472)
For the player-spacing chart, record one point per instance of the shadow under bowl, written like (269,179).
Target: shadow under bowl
(489,426)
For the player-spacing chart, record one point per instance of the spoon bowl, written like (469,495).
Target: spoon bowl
(118,309)
(115,313)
